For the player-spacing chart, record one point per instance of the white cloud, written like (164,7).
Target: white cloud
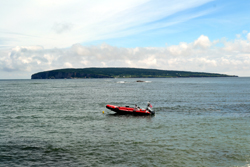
(248,37)
(181,49)
(238,35)
(233,58)
(244,31)
(68,65)
(202,41)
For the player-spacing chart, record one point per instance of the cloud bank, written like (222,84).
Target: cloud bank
(201,55)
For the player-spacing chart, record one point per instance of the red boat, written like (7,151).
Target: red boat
(130,110)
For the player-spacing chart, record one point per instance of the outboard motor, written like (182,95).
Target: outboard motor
(150,110)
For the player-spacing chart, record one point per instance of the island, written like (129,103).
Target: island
(117,72)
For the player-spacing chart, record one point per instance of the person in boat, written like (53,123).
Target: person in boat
(149,105)
(136,108)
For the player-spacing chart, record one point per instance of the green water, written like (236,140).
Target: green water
(198,122)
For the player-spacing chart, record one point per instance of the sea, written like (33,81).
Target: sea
(198,122)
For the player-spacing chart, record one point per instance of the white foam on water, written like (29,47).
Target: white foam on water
(120,82)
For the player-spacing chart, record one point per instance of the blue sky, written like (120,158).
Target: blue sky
(218,19)
(192,35)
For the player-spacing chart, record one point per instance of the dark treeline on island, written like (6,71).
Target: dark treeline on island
(72,73)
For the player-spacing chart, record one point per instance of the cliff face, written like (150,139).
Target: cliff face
(65,75)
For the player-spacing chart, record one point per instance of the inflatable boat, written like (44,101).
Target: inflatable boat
(130,110)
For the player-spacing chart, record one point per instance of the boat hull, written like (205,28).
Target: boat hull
(129,110)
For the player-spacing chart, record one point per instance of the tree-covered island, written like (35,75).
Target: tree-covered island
(73,73)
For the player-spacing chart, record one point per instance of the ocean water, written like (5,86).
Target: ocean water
(198,122)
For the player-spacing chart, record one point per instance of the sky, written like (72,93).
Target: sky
(185,35)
